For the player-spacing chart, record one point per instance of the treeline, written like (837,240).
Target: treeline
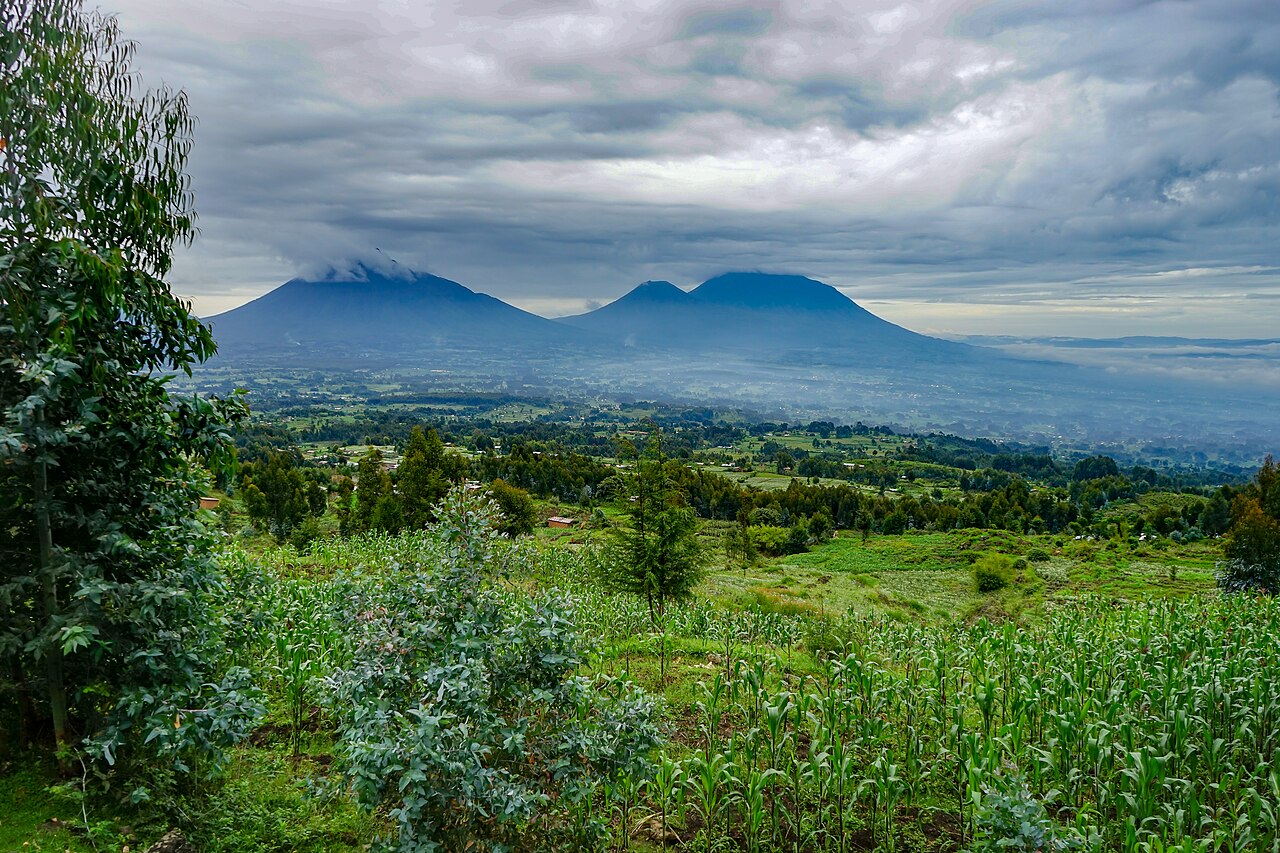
(534,458)
(1013,505)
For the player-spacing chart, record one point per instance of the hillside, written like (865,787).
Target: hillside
(760,313)
(367,311)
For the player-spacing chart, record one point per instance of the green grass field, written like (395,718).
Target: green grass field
(928,576)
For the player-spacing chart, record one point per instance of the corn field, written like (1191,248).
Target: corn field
(1137,727)
(1151,727)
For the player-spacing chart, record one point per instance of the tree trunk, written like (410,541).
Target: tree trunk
(27,719)
(49,599)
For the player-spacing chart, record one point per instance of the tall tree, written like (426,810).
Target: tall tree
(739,549)
(657,554)
(276,495)
(373,488)
(421,481)
(1253,544)
(104,566)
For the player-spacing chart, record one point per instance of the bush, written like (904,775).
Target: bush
(769,539)
(1038,555)
(1242,576)
(519,514)
(1009,817)
(305,533)
(461,716)
(993,572)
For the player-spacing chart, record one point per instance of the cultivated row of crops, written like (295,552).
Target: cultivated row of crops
(1148,727)
(1136,727)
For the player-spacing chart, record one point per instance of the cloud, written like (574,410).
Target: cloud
(1096,162)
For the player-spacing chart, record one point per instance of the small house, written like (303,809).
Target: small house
(208,503)
(561,521)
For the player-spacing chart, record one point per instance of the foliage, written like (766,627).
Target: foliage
(1253,544)
(519,515)
(769,539)
(461,711)
(993,572)
(1009,817)
(262,807)
(105,573)
(657,555)
(374,494)
(276,495)
(421,481)
(739,548)
(893,726)
(1095,468)
(387,502)
(1246,576)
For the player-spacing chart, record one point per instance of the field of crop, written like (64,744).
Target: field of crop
(796,721)
(854,697)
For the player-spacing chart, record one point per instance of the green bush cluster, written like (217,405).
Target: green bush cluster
(1009,818)
(993,572)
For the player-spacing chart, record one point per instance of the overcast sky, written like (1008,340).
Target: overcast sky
(1089,167)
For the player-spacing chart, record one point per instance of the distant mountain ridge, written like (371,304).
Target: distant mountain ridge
(367,309)
(758,312)
(372,311)
(774,342)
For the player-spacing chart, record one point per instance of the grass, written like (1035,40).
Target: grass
(928,576)
(917,552)
(767,480)
(268,803)
(32,818)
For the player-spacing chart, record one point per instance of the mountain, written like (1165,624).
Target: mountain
(782,344)
(759,313)
(368,311)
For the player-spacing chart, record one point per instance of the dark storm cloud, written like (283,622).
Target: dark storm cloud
(976,166)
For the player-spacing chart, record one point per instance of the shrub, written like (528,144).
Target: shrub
(1009,817)
(770,540)
(461,715)
(519,515)
(993,572)
(305,533)
(1038,555)
(1242,576)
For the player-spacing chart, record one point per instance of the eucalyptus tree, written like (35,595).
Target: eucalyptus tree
(105,573)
